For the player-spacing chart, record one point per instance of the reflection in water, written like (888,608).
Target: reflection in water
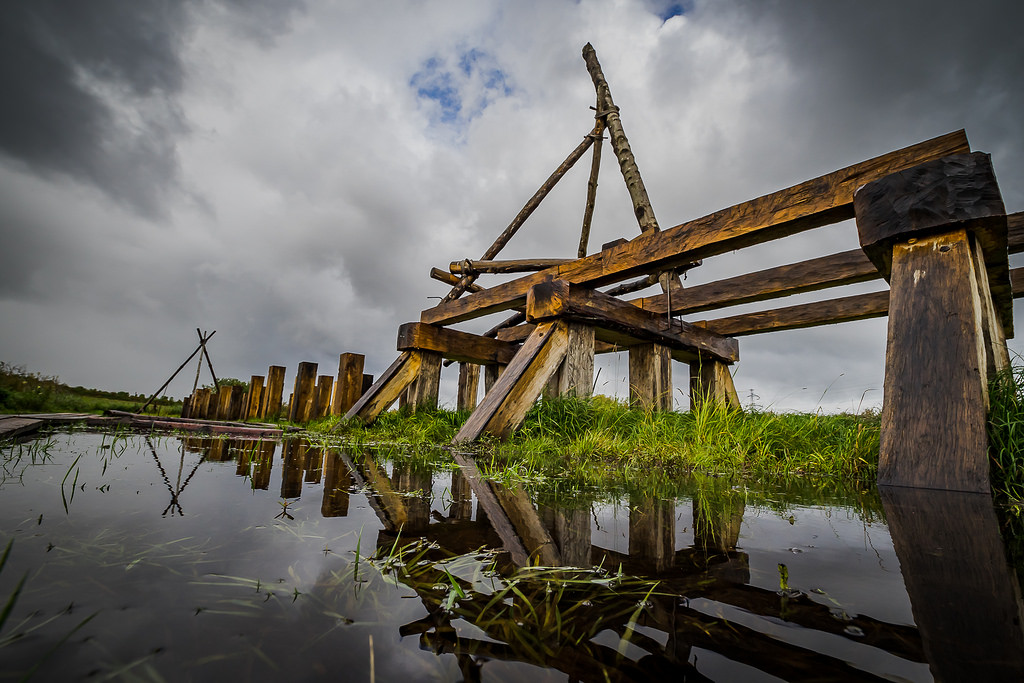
(471,578)
(966,599)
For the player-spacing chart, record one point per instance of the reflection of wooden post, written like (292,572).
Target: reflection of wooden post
(302,396)
(291,468)
(570,530)
(271,408)
(313,464)
(650,376)
(717,522)
(337,480)
(417,484)
(469,386)
(938,233)
(652,532)
(461,508)
(965,595)
(252,410)
(322,402)
(349,386)
(264,465)
(710,380)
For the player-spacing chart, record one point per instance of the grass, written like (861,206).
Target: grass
(601,442)
(30,392)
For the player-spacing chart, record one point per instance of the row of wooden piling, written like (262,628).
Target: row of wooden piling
(312,398)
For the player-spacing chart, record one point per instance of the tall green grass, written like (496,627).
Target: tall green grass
(1006,434)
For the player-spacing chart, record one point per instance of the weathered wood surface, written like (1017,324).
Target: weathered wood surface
(252,408)
(469,386)
(811,204)
(955,191)
(954,565)
(349,385)
(620,144)
(505,405)
(710,380)
(386,390)
(470,267)
(224,403)
(628,324)
(845,268)
(491,375)
(828,312)
(997,355)
(650,377)
(523,214)
(301,404)
(453,344)
(1015,232)
(595,170)
(576,376)
(1017,281)
(202,408)
(322,397)
(234,410)
(935,409)
(423,392)
(449,279)
(13,425)
(271,407)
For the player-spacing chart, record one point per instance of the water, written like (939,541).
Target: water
(159,558)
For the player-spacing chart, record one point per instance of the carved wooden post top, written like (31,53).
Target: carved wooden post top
(937,196)
(957,191)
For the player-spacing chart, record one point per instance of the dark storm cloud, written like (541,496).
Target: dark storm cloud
(90,88)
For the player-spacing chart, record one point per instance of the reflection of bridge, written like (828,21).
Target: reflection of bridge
(701,600)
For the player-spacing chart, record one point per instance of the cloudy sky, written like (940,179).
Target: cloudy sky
(287,173)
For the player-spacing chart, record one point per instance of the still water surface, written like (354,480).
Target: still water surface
(175,559)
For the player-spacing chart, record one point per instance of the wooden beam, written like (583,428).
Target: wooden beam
(845,268)
(469,386)
(650,377)
(1015,232)
(508,401)
(449,279)
(423,392)
(822,201)
(386,390)
(576,377)
(469,267)
(560,299)
(458,346)
(843,309)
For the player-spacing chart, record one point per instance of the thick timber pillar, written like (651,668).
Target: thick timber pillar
(576,378)
(937,232)
(650,376)
(386,390)
(322,397)
(252,407)
(270,407)
(349,386)
(424,390)
(303,395)
(710,380)
(469,386)
(491,374)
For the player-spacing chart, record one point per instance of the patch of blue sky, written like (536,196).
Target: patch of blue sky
(458,88)
(666,10)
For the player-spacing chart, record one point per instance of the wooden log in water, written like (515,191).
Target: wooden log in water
(301,404)
(503,408)
(650,377)
(270,408)
(821,201)
(349,386)
(623,323)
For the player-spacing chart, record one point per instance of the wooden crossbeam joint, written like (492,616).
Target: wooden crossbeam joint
(462,347)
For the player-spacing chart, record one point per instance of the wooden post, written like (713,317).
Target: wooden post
(424,391)
(270,408)
(252,410)
(349,386)
(386,390)
(937,232)
(710,380)
(491,374)
(185,406)
(303,394)
(367,383)
(203,407)
(322,404)
(576,377)
(469,385)
(235,394)
(650,376)
(224,403)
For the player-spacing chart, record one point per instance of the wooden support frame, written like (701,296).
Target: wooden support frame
(821,201)
(624,324)
(462,347)
(926,229)
(505,405)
